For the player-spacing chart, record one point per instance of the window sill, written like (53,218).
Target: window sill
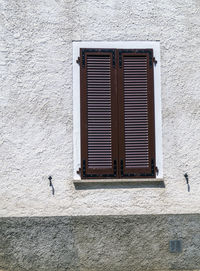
(119,183)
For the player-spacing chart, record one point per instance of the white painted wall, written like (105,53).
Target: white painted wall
(36,103)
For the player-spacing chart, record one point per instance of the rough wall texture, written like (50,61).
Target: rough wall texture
(99,243)
(36,103)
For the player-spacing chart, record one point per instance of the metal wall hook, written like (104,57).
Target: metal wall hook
(187,181)
(51,184)
(186,177)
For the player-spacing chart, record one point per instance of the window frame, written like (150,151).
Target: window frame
(155,45)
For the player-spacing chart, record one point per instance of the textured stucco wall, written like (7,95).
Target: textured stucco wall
(99,243)
(36,103)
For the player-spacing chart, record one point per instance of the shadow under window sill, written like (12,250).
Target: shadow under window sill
(118,183)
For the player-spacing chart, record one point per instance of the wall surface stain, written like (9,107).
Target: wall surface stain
(99,243)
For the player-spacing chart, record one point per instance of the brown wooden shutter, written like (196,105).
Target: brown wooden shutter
(98,113)
(136,113)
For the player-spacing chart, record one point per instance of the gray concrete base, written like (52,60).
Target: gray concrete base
(99,243)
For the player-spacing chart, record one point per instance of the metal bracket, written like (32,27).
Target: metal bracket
(84,170)
(186,177)
(122,168)
(78,61)
(187,181)
(78,171)
(157,170)
(152,167)
(51,184)
(115,168)
(154,61)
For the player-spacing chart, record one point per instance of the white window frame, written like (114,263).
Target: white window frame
(155,45)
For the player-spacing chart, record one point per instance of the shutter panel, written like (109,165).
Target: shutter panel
(136,113)
(98,108)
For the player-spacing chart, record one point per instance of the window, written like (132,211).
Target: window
(117,113)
